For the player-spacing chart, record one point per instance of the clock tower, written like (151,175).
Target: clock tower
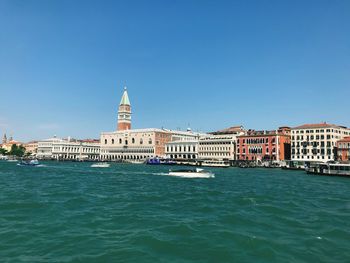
(124,113)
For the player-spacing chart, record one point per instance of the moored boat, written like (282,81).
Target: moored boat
(215,163)
(100,165)
(336,169)
(192,173)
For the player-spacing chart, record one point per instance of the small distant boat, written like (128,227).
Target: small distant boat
(12,160)
(192,173)
(215,163)
(153,161)
(135,161)
(158,161)
(100,165)
(167,162)
(28,163)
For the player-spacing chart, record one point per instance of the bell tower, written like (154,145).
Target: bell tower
(4,139)
(124,113)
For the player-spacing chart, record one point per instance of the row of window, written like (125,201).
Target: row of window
(311,157)
(256,150)
(214,143)
(256,141)
(313,151)
(314,144)
(76,149)
(321,131)
(182,156)
(312,137)
(127,141)
(214,148)
(124,157)
(214,154)
(181,148)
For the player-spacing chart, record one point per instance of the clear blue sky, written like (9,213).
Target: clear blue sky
(210,64)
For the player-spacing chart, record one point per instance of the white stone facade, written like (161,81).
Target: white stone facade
(76,150)
(182,149)
(67,149)
(316,142)
(139,144)
(218,147)
(44,150)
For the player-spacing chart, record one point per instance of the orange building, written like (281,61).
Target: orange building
(343,149)
(264,145)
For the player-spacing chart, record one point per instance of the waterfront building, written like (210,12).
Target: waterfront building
(8,144)
(183,147)
(136,144)
(220,145)
(31,147)
(316,142)
(182,150)
(264,145)
(124,113)
(68,149)
(343,149)
(45,147)
(78,150)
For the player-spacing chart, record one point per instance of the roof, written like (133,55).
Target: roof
(345,139)
(317,125)
(136,131)
(125,98)
(230,130)
(90,140)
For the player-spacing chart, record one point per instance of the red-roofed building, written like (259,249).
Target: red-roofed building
(316,142)
(343,149)
(264,145)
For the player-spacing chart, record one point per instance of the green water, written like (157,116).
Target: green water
(69,212)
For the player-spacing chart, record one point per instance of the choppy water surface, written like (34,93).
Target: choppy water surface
(69,212)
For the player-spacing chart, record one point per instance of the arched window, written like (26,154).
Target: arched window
(150,141)
(120,141)
(112,141)
(141,141)
(105,141)
(133,140)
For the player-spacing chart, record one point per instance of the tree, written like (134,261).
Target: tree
(3,151)
(17,150)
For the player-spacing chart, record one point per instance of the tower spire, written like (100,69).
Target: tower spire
(124,112)
(125,98)
(4,139)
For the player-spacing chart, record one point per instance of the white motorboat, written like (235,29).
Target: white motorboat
(192,173)
(100,165)
(29,163)
(215,163)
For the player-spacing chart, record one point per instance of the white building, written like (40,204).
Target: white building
(76,150)
(68,149)
(135,144)
(183,146)
(44,150)
(220,145)
(187,149)
(316,142)
(138,144)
